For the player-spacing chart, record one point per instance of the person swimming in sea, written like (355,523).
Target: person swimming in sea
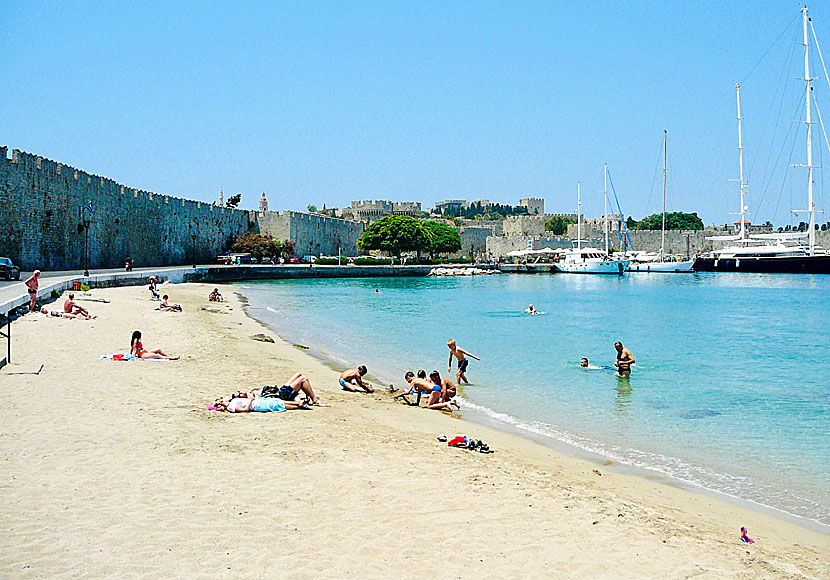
(531,310)
(625,360)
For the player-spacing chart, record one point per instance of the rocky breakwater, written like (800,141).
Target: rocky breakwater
(461,272)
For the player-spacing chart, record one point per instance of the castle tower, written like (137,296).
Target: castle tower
(221,198)
(263,203)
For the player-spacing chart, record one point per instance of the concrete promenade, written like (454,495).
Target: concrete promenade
(13,294)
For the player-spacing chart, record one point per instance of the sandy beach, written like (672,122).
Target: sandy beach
(117,469)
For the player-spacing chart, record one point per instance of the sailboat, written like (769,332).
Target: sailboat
(662,263)
(588,260)
(781,252)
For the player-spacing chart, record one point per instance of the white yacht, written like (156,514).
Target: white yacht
(581,260)
(590,261)
(660,262)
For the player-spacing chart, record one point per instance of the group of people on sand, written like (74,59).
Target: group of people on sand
(71,309)
(623,363)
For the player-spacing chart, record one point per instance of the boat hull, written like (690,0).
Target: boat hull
(662,267)
(613,267)
(767,265)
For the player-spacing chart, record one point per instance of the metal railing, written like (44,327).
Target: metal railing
(8,336)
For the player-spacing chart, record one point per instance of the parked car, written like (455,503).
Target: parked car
(8,270)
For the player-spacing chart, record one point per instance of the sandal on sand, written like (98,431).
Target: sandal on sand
(305,406)
(319,404)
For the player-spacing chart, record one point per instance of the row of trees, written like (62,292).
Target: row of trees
(558,225)
(476,210)
(675,220)
(398,233)
(260,246)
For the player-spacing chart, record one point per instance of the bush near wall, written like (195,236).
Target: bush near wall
(260,245)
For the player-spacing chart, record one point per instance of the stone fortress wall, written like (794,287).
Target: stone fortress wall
(42,220)
(313,234)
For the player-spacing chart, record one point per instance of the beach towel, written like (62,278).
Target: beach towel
(119,356)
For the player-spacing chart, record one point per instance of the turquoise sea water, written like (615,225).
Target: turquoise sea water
(731,390)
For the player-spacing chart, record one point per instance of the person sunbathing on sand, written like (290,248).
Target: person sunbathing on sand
(138,351)
(215,296)
(423,385)
(166,307)
(256,404)
(59,314)
(298,383)
(355,375)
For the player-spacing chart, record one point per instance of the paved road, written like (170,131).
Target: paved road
(60,273)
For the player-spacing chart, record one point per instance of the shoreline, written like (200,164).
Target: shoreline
(118,469)
(481,418)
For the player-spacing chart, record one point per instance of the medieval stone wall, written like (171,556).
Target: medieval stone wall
(44,222)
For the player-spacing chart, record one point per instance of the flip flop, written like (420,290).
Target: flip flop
(319,404)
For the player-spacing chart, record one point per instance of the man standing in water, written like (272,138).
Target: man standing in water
(459,353)
(624,360)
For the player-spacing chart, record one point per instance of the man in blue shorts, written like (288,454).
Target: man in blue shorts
(351,378)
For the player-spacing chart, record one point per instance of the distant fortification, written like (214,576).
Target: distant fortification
(44,220)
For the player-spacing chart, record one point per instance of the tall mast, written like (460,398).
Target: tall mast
(809,120)
(741,159)
(605,191)
(578,216)
(663,229)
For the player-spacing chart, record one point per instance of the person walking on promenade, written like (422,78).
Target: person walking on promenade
(32,285)
(461,354)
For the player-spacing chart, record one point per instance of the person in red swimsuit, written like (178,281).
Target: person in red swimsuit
(137,349)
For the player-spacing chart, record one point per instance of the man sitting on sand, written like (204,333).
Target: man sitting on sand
(72,307)
(447,388)
(215,296)
(624,360)
(351,377)
(425,386)
(59,314)
(166,307)
(459,353)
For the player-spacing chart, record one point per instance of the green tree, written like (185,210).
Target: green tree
(558,225)
(260,245)
(444,239)
(395,234)
(676,220)
(233,201)
(311,208)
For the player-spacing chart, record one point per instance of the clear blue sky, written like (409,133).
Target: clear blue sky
(328,102)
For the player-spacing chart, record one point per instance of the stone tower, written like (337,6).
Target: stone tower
(221,198)
(263,204)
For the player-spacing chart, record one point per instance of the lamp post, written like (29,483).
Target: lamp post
(85,213)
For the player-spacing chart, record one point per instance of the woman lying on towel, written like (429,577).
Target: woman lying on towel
(138,351)
(251,403)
